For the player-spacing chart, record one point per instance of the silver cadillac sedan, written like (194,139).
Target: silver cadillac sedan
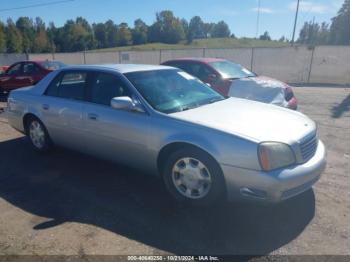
(205,147)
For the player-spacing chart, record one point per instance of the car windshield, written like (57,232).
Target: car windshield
(231,70)
(170,90)
(52,65)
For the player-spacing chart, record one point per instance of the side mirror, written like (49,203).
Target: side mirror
(125,103)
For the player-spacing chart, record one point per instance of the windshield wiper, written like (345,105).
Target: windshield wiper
(213,100)
(216,100)
(184,108)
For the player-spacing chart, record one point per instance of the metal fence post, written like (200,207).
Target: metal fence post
(160,56)
(252,60)
(119,57)
(311,62)
(84,57)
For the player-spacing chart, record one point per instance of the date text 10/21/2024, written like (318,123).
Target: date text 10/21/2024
(173,258)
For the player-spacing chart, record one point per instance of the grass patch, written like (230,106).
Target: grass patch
(200,43)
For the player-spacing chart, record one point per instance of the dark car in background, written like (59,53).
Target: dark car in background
(231,79)
(26,73)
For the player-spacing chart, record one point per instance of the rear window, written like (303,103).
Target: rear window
(52,65)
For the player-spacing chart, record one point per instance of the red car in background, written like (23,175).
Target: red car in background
(3,69)
(26,73)
(230,79)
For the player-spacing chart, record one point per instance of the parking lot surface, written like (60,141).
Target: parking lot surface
(67,203)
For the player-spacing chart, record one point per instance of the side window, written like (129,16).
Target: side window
(179,65)
(14,70)
(200,71)
(106,86)
(70,85)
(29,68)
(52,89)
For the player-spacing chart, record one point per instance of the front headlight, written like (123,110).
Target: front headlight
(273,155)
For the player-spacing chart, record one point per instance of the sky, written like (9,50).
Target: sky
(276,16)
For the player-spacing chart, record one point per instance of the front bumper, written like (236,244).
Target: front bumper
(277,185)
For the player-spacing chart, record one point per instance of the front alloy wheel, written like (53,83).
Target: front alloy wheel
(192,176)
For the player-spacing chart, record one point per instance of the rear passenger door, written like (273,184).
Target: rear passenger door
(62,109)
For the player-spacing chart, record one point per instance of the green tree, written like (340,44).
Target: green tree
(185,26)
(208,29)
(112,34)
(100,32)
(196,28)
(265,36)
(75,36)
(220,29)
(340,29)
(88,41)
(167,28)
(13,38)
(2,38)
(314,34)
(323,34)
(124,35)
(56,36)
(139,33)
(26,27)
(41,41)
(154,33)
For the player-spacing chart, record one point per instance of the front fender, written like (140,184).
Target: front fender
(225,148)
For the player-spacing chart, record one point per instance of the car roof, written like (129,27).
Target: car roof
(121,68)
(198,59)
(35,61)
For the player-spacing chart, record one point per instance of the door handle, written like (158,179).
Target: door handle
(46,106)
(92,116)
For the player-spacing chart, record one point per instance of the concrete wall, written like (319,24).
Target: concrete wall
(241,56)
(8,59)
(331,64)
(288,64)
(144,57)
(324,64)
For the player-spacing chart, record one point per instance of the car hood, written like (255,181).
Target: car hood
(260,88)
(252,120)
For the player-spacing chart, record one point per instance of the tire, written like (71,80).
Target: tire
(37,134)
(193,177)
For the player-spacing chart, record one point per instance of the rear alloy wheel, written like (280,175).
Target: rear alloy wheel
(193,176)
(38,135)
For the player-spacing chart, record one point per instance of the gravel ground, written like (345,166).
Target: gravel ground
(66,203)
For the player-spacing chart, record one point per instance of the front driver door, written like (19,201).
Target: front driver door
(117,135)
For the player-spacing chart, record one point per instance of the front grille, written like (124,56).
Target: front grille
(308,147)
